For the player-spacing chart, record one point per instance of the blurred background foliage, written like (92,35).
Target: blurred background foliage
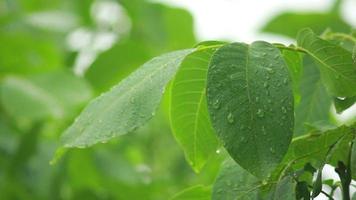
(57,55)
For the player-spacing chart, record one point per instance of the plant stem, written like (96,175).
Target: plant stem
(299,49)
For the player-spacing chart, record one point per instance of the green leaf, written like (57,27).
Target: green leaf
(317,186)
(126,106)
(315,102)
(285,189)
(343,104)
(302,191)
(353,159)
(337,69)
(235,183)
(189,114)
(49,95)
(319,148)
(289,23)
(198,192)
(294,61)
(251,104)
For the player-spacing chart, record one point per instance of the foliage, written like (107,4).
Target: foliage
(261,111)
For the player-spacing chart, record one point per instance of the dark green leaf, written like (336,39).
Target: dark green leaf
(251,104)
(317,186)
(343,104)
(302,191)
(189,114)
(126,106)
(337,69)
(285,189)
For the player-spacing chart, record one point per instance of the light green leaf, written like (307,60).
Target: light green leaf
(127,105)
(337,69)
(50,95)
(198,192)
(189,114)
(315,102)
(294,61)
(250,102)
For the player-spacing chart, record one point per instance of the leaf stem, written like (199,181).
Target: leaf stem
(342,36)
(290,48)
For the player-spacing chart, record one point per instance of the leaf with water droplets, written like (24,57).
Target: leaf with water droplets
(269,122)
(188,111)
(127,105)
(337,69)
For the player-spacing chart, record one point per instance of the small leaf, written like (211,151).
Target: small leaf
(302,191)
(251,104)
(127,105)
(337,69)
(198,192)
(343,104)
(317,186)
(189,114)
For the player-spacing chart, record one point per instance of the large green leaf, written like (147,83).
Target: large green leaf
(251,104)
(189,114)
(290,23)
(337,69)
(194,193)
(49,95)
(315,103)
(126,106)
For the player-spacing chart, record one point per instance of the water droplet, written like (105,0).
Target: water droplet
(218,151)
(242,127)
(265,84)
(269,101)
(267,92)
(270,70)
(264,54)
(216,104)
(257,99)
(260,113)
(284,110)
(230,118)
(132,100)
(264,182)
(276,56)
(285,81)
(272,150)
(263,130)
(228,183)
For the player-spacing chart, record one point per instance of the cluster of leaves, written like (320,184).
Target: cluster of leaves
(244,94)
(264,107)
